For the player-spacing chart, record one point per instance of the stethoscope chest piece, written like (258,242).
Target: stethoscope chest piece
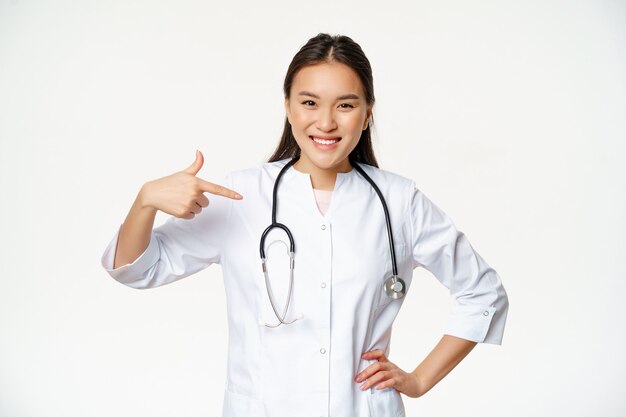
(395,287)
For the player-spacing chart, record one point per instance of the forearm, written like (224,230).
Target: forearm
(135,233)
(441,360)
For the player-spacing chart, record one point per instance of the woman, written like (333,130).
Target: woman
(314,340)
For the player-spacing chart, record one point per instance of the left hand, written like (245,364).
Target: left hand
(384,374)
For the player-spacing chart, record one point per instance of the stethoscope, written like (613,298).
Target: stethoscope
(395,287)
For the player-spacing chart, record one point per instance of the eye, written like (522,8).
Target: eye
(349,106)
(308,101)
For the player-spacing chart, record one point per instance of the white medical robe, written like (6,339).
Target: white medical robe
(341,260)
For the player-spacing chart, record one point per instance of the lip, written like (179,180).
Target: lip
(325,137)
(325,147)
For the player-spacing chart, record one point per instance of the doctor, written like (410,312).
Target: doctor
(331,356)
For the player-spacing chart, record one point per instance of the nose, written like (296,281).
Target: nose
(326,120)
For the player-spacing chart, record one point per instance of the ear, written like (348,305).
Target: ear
(367,117)
(287,109)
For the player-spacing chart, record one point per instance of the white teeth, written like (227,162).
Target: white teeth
(323,141)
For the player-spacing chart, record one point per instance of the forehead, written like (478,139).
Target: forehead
(327,79)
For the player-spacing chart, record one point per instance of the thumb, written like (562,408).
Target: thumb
(197,164)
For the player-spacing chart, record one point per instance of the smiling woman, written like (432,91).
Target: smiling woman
(327,114)
(329,96)
(314,339)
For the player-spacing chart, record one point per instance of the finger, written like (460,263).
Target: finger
(196,208)
(374,380)
(369,371)
(202,201)
(218,190)
(189,215)
(389,382)
(197,164)
(375,354)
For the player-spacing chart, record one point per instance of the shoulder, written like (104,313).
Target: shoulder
(257,172)
(391,180)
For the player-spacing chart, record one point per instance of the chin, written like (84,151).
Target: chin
(328,164)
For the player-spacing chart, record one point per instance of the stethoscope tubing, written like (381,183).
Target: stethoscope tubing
(292,246)
(382,200)
(394,286)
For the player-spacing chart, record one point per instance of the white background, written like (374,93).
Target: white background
(509,115)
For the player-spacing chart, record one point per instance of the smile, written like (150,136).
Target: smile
(324,141)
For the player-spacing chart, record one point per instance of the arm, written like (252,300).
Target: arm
(134,233)
(448,353)
(189,241)
(480,303)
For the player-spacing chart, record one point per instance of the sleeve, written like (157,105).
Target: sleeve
(480,302)
(178,248)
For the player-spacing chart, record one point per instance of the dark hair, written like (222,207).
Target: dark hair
(327,48)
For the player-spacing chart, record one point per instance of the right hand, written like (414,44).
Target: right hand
(181,194)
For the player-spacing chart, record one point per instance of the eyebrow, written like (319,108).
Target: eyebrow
(343,97)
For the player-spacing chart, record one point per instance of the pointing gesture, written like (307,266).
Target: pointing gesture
(182,193)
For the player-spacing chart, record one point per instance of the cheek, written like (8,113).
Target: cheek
(353,123)
(298,129)
(300,119)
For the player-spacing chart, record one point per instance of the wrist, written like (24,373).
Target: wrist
(143,199)
(422,383)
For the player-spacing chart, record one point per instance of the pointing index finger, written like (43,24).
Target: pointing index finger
(219,190)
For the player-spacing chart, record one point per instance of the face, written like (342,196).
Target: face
(327,111)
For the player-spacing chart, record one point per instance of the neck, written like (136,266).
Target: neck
(322,178)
